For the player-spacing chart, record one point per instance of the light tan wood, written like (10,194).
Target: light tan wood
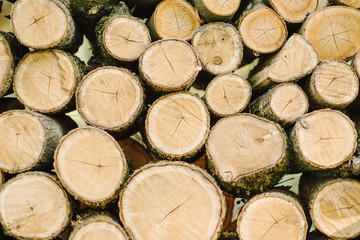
(294,11)
(126,38)
(217,10)
(41,24)
(34,206)
(27,140)
(45,81)
(169,65)
(334,32)
(333,84)
(91,165)
(356,64)
(6,68)
(96,227)
(174,19)
(262,30)
(227,94)
(351,3)
(272,215)
(335,209)
(295,60)
(177,125)
(172,200)
(219,47)
(2,178)
(323,139)
(110,98)
(243,144)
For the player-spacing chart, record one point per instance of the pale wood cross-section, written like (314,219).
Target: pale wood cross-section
(335,209)
(227,94)
(45,80)
(172,200)
(294,11)
(217,10)
(333,84)
(219,47)
(351,3)
(334,32)
(262,30)
(177,126)
(169,65)
(41,24)
(110,98)
(125,38)
(272,215)
(323,139)
(91,165)
(96,227)
(33,205)
(6,68)
(174,19)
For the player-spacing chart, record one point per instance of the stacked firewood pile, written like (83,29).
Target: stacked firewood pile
(175,132)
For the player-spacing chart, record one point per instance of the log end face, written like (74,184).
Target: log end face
(294,11)
(6,66)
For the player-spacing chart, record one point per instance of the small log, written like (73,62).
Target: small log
(169,65)
(272,215)
(34,206)
(41,24)
(262,30)
(227,94)
(172,200)
(173,19)
(293,11)
(218,10)
(98,226)
(323,139)
(333,84)
(111,99)
(333,204)
(283,104)
(219,47)
(294,61)
(11,51)
(45,81)
(28,140)
(334,32)
(91,166)
(177,126)
(247,154)
(122,37)
(350,3)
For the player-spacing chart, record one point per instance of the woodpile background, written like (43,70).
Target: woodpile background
(175,119)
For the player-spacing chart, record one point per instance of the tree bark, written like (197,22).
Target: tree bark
(172,200)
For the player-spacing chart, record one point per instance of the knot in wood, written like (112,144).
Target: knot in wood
(217,60)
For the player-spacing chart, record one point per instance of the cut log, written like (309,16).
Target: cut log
(247,154)
(98,226)
(295,60)
(334,32)
(11,51)
(272,215)
(169,65)
(34,206)
(333,84)
(283,104)
(121,37)
(262,30)
(2,178)
(173,19)
(323,139)
(227,94)
(172,200)
(91,165)
(45,81)
(294,11)
(219,47)
(177,126)
(112,99)
(350,3)
(218,10)
(334,204)
(41,24)
(27,140)
(356,63)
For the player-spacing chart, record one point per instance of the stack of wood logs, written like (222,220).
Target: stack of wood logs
(161,159)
